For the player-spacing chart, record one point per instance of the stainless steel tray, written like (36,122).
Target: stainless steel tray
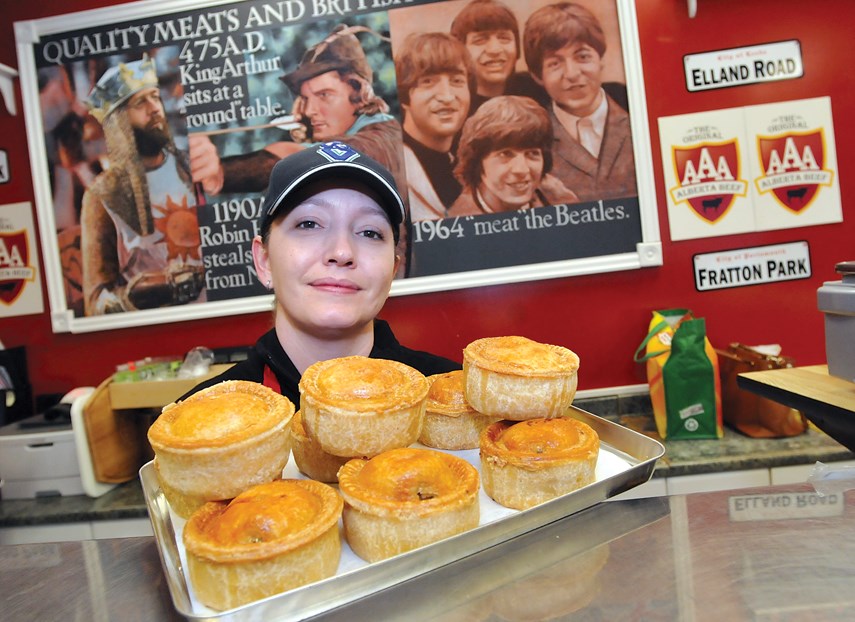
(627,459)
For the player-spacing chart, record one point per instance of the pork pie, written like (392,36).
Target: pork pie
(310,458)
(406,498)
(269,539)
(516,378)
(360,406)
(529,462)
(450,422)
(219,442)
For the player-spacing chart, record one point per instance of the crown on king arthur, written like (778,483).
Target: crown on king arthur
(118,84)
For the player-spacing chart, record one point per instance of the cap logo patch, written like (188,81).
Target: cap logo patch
(338,152)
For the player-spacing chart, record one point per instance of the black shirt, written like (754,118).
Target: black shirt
(439,168)
(268,352)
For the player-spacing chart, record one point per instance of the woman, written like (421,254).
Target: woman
(504,159)
(328,230)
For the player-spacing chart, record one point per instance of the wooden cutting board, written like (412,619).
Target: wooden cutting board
(117,438)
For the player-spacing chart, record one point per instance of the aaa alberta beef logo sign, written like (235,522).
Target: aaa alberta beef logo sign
(793,168)
(708,176)
(786,151)
(15,268)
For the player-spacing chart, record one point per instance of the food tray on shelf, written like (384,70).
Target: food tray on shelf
(626,460)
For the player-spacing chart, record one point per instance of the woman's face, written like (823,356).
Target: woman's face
(509,177)
(330,260)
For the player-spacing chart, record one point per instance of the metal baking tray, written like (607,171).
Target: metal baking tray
(627,459)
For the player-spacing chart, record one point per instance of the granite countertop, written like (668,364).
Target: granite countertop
(124,501)
(733,452)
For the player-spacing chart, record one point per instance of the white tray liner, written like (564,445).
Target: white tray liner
(609,464)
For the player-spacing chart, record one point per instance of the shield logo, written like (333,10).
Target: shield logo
(793,167)
(15,269)
(337,151)
(708,178)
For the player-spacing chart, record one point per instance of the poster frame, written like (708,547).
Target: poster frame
(648,252)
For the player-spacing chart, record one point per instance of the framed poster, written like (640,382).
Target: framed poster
(152,128)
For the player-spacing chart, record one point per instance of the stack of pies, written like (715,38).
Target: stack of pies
(219,442)
(450,422)
(406,498)
(269,539)
(536,452)
(360,406)
(220,455)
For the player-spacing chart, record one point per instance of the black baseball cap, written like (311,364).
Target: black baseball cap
(331,160)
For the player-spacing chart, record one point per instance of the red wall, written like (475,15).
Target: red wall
(601,317)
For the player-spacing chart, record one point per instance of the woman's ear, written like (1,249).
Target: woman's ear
(261,260)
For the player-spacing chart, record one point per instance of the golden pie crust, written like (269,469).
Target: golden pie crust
(310,457)
(516,378)
(406,498)
(360,406)
(221,441)
(529,462)
(450,422)
(271,538)
(181,503)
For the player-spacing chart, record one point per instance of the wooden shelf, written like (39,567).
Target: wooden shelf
(828,401)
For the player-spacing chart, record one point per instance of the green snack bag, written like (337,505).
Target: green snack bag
(692,384)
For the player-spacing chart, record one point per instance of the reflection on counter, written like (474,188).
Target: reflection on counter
(552,593)
(680,558)
(787,562)
(550,573)
(80,581)
(675,558)
(784,506)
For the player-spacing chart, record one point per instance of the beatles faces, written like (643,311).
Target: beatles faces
(438,107)
(494,54)
(327,105)
(572,77)
(509,177)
